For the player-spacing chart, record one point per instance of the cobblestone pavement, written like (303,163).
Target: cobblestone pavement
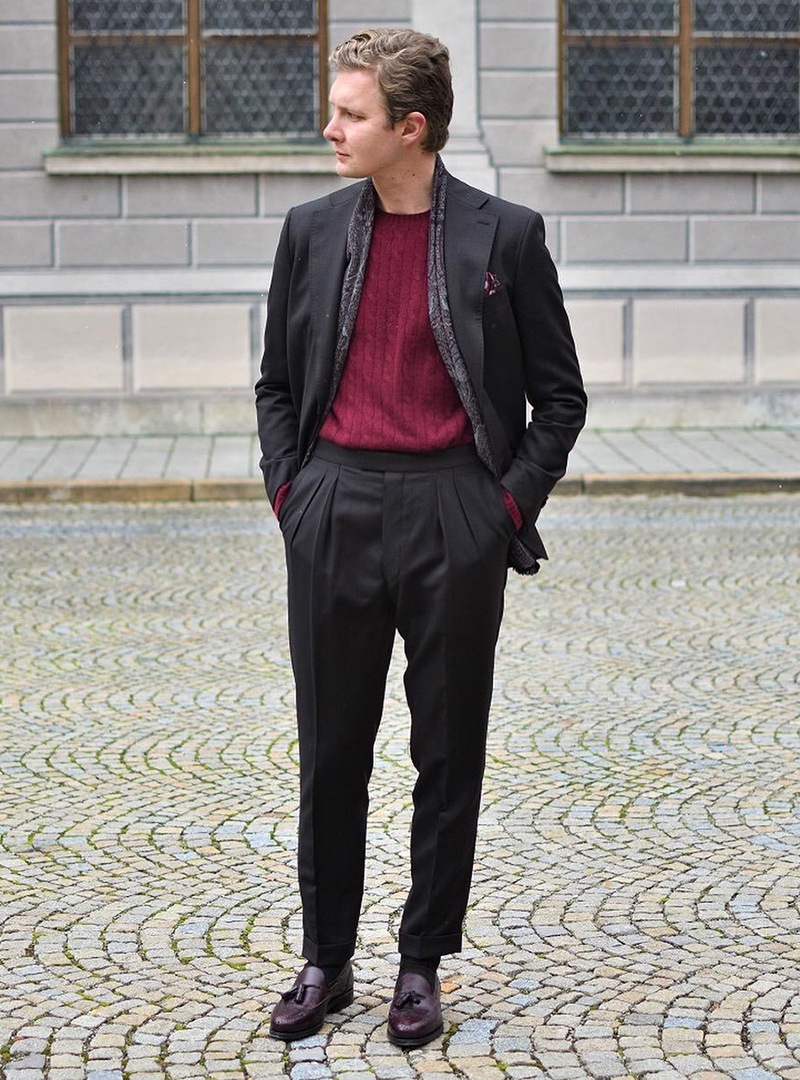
(180,457)
(634,908)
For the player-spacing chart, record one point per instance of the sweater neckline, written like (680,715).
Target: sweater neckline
(387,214)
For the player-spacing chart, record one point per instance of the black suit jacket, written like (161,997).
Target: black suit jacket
(516,342)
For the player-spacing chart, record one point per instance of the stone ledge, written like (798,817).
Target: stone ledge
(125,159)
(592,279)
(727,157)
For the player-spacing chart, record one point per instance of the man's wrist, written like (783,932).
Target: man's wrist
(513,509)
(280,495)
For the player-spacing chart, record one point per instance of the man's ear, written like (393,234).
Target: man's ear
(414,124)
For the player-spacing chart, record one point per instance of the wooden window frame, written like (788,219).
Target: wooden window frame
(192,39)
(687,41)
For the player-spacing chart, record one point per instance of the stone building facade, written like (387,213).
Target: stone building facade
(134,272)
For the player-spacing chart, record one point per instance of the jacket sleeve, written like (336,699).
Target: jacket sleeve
(552,377)
(275,411)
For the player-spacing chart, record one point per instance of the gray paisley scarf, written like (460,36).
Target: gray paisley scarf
(359,236)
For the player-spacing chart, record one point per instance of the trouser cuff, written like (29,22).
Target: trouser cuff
(328,955)
(420,946)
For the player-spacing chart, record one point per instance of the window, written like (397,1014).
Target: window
(185,70)
(680,68)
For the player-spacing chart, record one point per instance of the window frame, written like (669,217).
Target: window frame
(193,39)
(686,39)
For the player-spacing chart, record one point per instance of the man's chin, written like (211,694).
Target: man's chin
(345,167)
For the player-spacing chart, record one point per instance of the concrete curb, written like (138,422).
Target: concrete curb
(78,491)
(685,483)
(208,490)
(74,491)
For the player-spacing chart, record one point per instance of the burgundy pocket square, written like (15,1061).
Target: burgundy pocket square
(491,284)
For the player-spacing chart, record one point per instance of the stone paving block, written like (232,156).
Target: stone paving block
(105,459)
(25,457)
(6,448)
(190,457)
(148,458)
(749,451)
(67,459)
(230,456)
(605,456)
(673,451)
(720,454)
(632,448)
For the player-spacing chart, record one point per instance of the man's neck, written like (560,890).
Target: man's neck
(408,189)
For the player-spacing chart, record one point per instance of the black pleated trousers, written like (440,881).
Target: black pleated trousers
(378,541)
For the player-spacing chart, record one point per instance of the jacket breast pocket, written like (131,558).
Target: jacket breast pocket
(497,308)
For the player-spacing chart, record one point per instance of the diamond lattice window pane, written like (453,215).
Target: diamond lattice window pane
(747,16)
(615,89)
(128,89)
(260,87)
(625,16)
(264,17)
(129,16)
(746,90)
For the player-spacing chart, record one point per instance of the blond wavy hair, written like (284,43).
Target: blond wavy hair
(413,73)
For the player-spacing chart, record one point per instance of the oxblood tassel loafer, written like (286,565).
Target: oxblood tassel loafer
(301,1010)
(415,1015)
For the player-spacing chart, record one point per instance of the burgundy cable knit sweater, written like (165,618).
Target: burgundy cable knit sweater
(395,392)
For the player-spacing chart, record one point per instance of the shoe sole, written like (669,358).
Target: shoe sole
(414,1040)
(334,1005)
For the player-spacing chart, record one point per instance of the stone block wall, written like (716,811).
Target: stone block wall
(136,302)
(683,288)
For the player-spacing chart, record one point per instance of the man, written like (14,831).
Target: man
(409,317)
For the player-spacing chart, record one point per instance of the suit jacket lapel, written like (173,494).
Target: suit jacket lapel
(468,238)
(327,262)
(469,231)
